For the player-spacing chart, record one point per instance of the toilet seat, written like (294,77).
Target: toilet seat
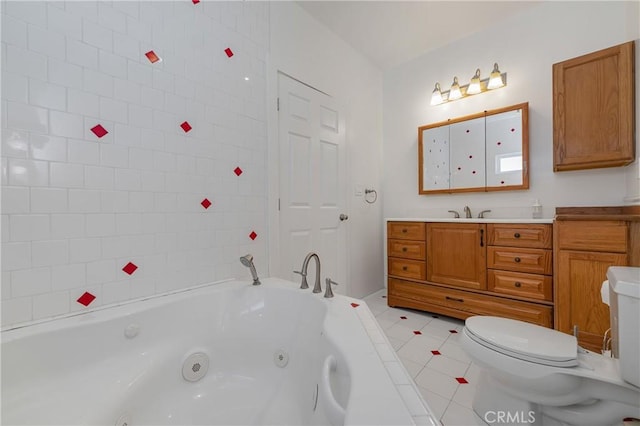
(524,341)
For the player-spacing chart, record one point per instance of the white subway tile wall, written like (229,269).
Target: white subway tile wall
(121,176)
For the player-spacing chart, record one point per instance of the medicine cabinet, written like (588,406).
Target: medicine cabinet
(488,151)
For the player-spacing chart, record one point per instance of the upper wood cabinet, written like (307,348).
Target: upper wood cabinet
(593,110)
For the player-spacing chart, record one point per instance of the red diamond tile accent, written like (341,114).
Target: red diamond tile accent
(195,1)
(513,130)
(99,131)
(206,203)
(129,268)
(453,331)
(253,235)
(229,52)
(355,305)
(501,182)
(186,126)
(436,352)
(499,143)
(86,299)
(403,317)
(237,171)
(461,380)
(152,57)
(471,156)
(417,332)
(474,172)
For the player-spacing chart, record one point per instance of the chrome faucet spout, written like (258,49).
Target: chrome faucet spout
(305,264)
(467,212)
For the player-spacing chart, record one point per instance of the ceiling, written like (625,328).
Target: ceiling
(392,32)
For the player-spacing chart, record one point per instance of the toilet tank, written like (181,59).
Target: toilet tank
(624,304)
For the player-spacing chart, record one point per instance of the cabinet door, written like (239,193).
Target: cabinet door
(593,110)
(578,301)
(456,254)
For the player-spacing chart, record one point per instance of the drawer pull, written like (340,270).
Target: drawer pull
(404,230)
(517,284)
(404,268)
(517,260)
(404,249)
(516,235)
(482,238)
(453,298)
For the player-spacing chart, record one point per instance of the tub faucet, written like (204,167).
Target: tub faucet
(247,261)
(303,272)
(467,212)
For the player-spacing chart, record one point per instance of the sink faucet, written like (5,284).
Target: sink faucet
(467,212)
(481,214)
(303,272)
(455,213)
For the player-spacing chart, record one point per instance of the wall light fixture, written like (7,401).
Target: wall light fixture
(475,86)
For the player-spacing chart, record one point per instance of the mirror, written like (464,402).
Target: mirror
(488,151)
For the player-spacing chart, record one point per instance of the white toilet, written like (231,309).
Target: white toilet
(537,376)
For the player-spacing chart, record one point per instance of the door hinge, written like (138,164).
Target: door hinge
(277,104)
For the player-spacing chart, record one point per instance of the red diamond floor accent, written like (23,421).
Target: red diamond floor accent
(99,131)
(453,331)
(129,268)
(416,332)
(186,126)
(403,317)
(384,297)
(229,52)
(253,235)
(237,171)
(461,380)
(86,299)
(152,57)
(355,305)
(205,203)
(436,352)
(195,1)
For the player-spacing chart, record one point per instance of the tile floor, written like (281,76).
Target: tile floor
(427,344)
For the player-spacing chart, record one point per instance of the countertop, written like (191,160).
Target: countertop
(470,220)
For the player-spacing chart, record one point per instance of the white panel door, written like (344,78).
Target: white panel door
(313,185)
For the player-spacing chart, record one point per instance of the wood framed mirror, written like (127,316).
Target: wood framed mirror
(487,151)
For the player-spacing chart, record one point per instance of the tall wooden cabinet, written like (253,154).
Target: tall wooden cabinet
(470,268)
(594,110)
(587,241)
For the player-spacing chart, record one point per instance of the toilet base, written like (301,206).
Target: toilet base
(496,405)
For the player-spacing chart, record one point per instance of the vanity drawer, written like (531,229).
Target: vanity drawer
(518,235)
(537,261)
(465,304)
(406,230)
(519,284)
(407,268)
(609,236)
(406,249)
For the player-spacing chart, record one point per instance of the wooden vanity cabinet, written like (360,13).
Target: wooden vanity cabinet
(594,110)
(456,254)
(586,246)
(463,279)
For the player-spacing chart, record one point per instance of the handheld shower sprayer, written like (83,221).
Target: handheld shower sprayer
(247,261)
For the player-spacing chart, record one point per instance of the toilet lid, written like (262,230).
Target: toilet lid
(524,341)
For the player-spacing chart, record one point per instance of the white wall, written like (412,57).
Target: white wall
(526,47)
(75,208)
(306,50)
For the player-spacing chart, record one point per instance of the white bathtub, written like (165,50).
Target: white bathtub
(277,355)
